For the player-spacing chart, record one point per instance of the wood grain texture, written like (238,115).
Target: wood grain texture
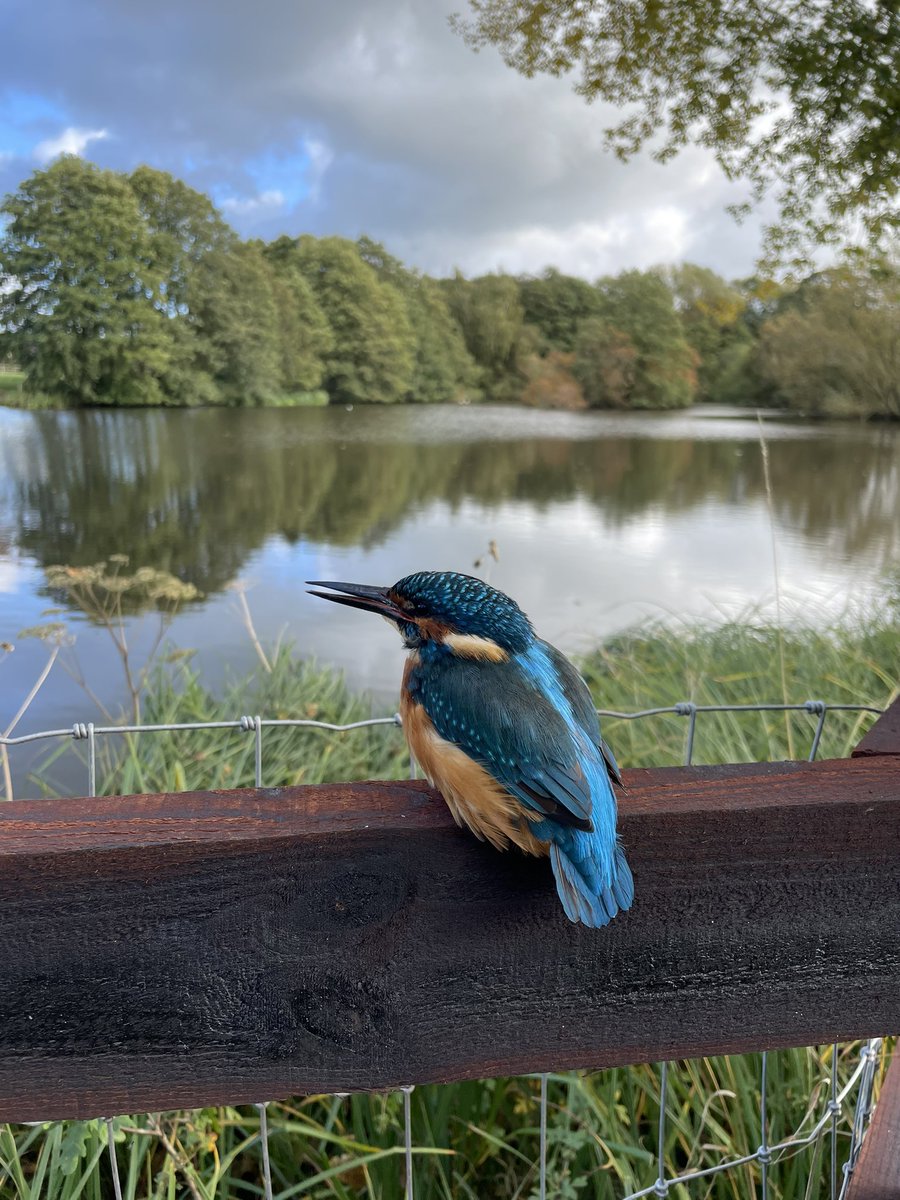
(877,1174)
(182,950)
(884,736)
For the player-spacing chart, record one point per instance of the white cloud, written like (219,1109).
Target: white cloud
(320,159)
(263,204)
(371,116)
(642,238)
(70,141)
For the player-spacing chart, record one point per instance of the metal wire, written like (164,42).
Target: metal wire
(763,1153)
(113,1161)
(407,1137)
(661,1187)
(864,1075)
(256,724)
(542,1183)
(264,1142)
(834,1108)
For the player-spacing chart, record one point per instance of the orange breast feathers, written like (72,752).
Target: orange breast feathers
(473,796)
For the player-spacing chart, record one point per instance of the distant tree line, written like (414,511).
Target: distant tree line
(132,290)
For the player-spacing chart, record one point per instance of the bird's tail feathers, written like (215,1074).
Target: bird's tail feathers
(582,899)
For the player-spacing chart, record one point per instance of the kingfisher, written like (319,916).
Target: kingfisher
(504,727)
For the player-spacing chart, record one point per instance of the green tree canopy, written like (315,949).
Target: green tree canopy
(306,336)
(81,313)
(490,315)
(184,227)
(556,304)
(712,314)
(443,368)
(372,356)
(836,345)
(190,245)
(640,305)
(234,302)
(822,76)
(605,364)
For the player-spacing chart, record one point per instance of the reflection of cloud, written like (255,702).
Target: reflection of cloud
(12,575)
(70,141)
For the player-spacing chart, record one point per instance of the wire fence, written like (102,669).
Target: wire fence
(847,1111)
(838,1178)
(89,732)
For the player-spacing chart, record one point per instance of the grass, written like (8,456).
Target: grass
(13,394)
(317,399)
(480,1139)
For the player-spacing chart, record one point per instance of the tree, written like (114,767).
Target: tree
(605,364)
(443,368)
(639,305)
(371,359)
(836,346)
(712,316)
(190,245)
(551,382)
(490,315)
(233,300)
(185,228)
(82,316)
(306,337)
(824,76)
(556,304)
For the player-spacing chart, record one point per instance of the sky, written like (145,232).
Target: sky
(351,117)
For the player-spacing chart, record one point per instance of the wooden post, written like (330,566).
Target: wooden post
(877,1174)
(184,950)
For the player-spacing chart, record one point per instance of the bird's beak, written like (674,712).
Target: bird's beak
(361,595)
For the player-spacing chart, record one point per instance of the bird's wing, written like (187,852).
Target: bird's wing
(497,715)
(577,693)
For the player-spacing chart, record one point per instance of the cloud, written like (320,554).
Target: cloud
(320,159)
(70,141)
(585,248)
(366,116)
(252,206)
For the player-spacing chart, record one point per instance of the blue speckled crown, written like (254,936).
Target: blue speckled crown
(469,605)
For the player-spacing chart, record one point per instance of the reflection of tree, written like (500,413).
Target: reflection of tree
(196,493)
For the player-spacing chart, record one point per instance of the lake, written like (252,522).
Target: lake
(600,520)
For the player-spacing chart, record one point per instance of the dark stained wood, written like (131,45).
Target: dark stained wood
(877,1174)
(884,736)
(182,950)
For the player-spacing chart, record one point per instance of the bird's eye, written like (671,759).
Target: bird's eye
(411,607)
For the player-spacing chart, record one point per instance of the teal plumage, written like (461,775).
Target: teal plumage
(481,683)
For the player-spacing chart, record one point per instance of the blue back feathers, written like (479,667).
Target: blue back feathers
(531,723)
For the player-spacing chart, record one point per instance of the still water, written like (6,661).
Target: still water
(599,520)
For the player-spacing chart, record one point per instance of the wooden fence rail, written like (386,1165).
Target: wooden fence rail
(181,950)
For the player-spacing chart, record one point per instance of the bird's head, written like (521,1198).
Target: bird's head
(462,614)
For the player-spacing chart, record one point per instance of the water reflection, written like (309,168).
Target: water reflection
(199,493)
